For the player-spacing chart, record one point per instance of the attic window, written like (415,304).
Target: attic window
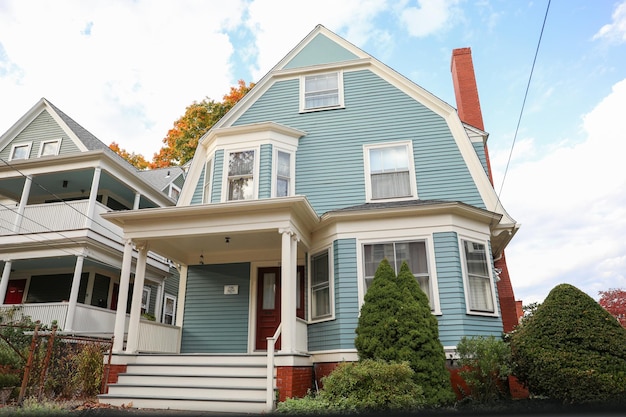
(321,91)
(20,151)
(49,147)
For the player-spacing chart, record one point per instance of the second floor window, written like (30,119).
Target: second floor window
(322,91)
(389,171)
(241,175)
(283,174)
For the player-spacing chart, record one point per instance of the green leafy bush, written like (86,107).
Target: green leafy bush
(571,350)
(485,363)
(396,324)
(306,405)
(9,380)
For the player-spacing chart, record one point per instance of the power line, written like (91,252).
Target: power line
(519,120)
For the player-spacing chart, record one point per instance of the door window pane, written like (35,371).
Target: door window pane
(269,291)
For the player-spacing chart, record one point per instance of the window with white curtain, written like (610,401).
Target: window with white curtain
(480,295)
(320,286)
(389,171)
(241,175)
(322,91)
(283,174)
(415,255)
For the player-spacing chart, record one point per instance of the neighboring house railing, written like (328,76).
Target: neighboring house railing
(158,337)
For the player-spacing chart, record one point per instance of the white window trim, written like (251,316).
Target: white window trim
(292,170)
(430,258)
(173,297)
(368,177)
(466,291)
(331,285)
(174,187)
(44,142)
(340,105)
(208,174)
(227,152)
(28,145)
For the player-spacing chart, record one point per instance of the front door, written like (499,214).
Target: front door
(268,306)
(15,291)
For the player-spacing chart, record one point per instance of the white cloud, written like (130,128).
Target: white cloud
(429,17)
(572,207)
(616,30)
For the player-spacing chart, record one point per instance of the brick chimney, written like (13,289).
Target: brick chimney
(468,108)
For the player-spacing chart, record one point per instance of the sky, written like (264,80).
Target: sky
(127,69)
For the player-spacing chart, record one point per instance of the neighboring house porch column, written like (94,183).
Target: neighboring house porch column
(23,200)
(182,291)
(136,202)
(122,298)
(288,274)
(93,195)
(4,283)
(71,309)
(132,343)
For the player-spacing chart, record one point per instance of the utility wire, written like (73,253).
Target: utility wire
(519,120)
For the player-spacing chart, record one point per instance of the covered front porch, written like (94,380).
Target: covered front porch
(236,261)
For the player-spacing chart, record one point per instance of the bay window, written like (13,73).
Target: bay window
(479,285)
(283,174)
(320,286)
(241,175)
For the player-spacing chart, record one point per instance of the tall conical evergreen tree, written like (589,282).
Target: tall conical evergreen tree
(396,324)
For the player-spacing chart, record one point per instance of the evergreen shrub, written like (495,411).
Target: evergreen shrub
(571,350)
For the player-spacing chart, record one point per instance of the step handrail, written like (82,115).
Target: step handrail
(271,342)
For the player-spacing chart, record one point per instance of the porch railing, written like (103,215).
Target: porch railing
(269,388)
(158,337)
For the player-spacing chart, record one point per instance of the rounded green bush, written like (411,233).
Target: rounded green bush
(571,350)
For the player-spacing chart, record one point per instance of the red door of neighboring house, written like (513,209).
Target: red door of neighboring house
(268,306)
(116,290)
(15,291)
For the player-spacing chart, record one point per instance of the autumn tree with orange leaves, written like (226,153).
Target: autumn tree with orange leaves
(181,141)
(614,301)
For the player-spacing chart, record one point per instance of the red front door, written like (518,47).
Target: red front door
(268,306)
(15,291)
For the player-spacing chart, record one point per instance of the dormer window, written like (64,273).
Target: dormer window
(20,151)
(241,175)
(49,147)
(389,171)
(322,91)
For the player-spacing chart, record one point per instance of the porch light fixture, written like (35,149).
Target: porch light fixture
(64,183)
(201,262)
(227,239)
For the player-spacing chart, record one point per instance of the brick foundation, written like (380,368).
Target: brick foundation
(114,371)
(323,369)
(293,381)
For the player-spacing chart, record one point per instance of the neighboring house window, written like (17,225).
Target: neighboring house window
(20,151)
(174,192)
(320,286)
(169,309)
(241,175)
(415,255)
(208,170)
(49,147)
(479,286)
(389,171)
(321,91)
(283,174)
(145,300)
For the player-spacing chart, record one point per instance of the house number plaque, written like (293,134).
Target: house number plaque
(231,289)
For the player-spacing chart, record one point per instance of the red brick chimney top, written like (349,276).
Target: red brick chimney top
(465,88)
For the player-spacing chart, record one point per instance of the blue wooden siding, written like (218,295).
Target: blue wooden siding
(454,323)
(320,50)
(42,128)
(198,192)
(339,333)
(480,151)
(215,322)
(329,160)
(265,171)
(218,169)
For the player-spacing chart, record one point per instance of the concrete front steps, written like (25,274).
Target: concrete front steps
(196,382)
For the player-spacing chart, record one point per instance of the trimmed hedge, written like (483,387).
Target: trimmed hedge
(571,350)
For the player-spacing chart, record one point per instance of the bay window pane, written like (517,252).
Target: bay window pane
(241,189)
(241,163)
(320,286)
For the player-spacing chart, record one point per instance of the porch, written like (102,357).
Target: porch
(96,322)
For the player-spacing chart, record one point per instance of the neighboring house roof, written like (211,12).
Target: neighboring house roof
(161,177)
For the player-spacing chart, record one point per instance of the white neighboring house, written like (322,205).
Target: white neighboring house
(60,260)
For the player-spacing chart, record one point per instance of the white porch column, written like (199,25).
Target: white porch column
(4,283)
(180,299)
(158,307)
(288,292)
(136,202)
(71,308)
(132,343)
(122,298)
(93,195)
(23,200)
